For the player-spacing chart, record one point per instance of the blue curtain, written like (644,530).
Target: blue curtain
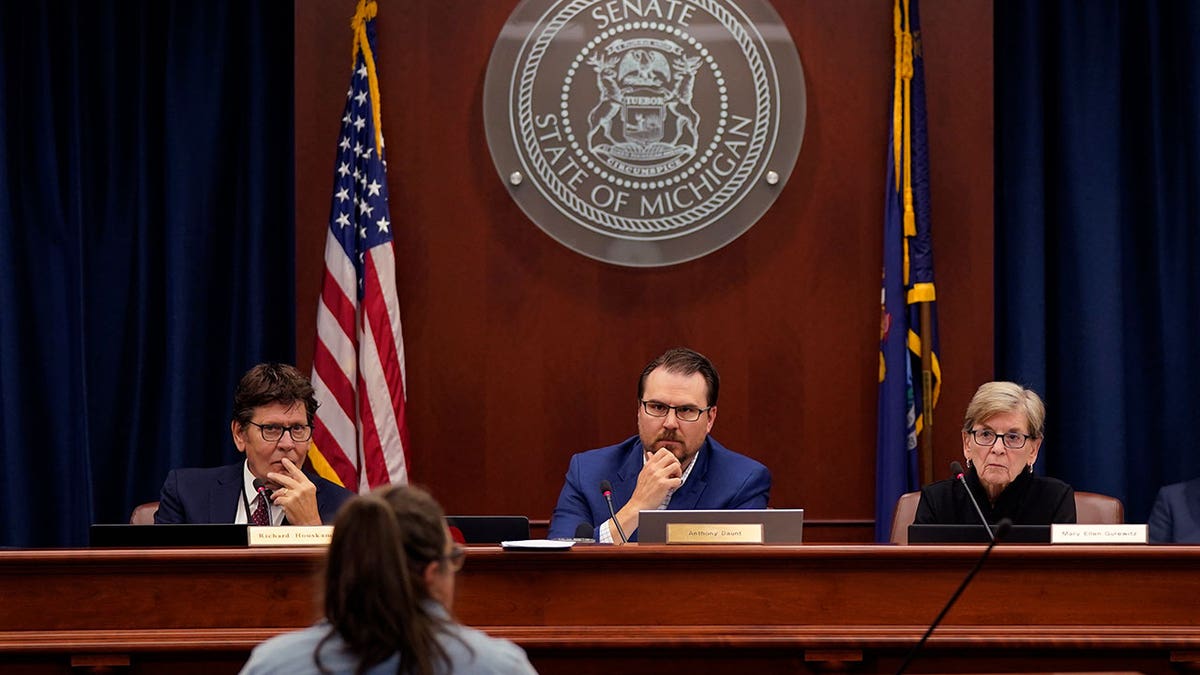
(1098,235)
(146,245)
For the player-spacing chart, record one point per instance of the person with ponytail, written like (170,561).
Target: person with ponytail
(389,586)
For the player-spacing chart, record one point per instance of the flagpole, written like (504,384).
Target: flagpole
(926,394)
(360,433)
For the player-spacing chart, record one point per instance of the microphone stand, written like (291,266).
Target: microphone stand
(958,473)
(606,488)
(1002,529)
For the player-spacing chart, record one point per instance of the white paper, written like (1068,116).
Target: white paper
(536,545)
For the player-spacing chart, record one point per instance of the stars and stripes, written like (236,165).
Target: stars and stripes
(360,438)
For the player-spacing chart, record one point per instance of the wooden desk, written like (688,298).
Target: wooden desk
(640,608)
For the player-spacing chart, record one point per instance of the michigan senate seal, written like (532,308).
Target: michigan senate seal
(644,132)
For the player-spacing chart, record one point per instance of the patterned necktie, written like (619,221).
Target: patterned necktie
(260,511)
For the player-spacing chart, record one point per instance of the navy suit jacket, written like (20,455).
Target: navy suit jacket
(721,479)
(1176,513)
(212,496)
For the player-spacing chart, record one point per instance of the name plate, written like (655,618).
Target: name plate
(1099,534)
(694,533)
(291,535)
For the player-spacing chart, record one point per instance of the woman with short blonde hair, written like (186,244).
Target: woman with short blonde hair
(1002,436)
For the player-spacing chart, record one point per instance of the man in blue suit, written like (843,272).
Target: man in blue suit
(672,462)
(1176,514)
(273,411)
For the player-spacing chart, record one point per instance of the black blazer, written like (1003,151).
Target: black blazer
(1176,513)
(1028,500)
(211,496)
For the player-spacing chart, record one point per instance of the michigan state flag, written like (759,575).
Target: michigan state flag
(908,390)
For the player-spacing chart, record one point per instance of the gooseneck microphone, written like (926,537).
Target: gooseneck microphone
(260,490)
(1002,529)
(957,469)
(606,490)
(584,534)
(260,486)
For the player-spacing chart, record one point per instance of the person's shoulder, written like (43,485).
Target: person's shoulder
(473,651)
(324,484)
(1051,484)
(939,488)
(723,455)
(1180,487)
(940,484)
(608,453)
(286,653)
(1176,493)
(205,474)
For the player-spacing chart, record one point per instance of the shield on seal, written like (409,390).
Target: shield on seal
(642,117)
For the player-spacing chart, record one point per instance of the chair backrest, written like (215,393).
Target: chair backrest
(143,514)
(906,511)
(1093,508)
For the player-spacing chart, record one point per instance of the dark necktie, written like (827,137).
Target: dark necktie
(260,516)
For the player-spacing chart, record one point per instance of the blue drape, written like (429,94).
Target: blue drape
(1098,233)
(146,245)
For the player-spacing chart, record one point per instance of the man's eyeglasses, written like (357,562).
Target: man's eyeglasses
(987,438)
(684,413)
(273,432)
(455,558)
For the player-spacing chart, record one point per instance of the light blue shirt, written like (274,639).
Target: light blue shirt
(471,652)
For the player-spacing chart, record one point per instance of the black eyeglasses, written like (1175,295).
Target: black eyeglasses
(684,413)
(455,558)
(987,438)
(273,432)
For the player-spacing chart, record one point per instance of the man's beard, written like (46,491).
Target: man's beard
(673,437)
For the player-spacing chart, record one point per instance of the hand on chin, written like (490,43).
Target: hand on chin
(672,446)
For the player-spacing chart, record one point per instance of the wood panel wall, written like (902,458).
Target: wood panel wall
(521,352)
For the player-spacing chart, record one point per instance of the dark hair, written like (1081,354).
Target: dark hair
(374,579)
(269,383)
(684,361)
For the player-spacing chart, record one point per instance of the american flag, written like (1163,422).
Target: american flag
(360,438)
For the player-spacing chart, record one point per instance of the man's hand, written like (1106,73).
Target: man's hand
(662,472)
(297,497)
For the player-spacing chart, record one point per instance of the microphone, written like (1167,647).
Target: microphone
(585,532)
(260,486)
(606,489)
(957,469)
(1002,529)
(262,491)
